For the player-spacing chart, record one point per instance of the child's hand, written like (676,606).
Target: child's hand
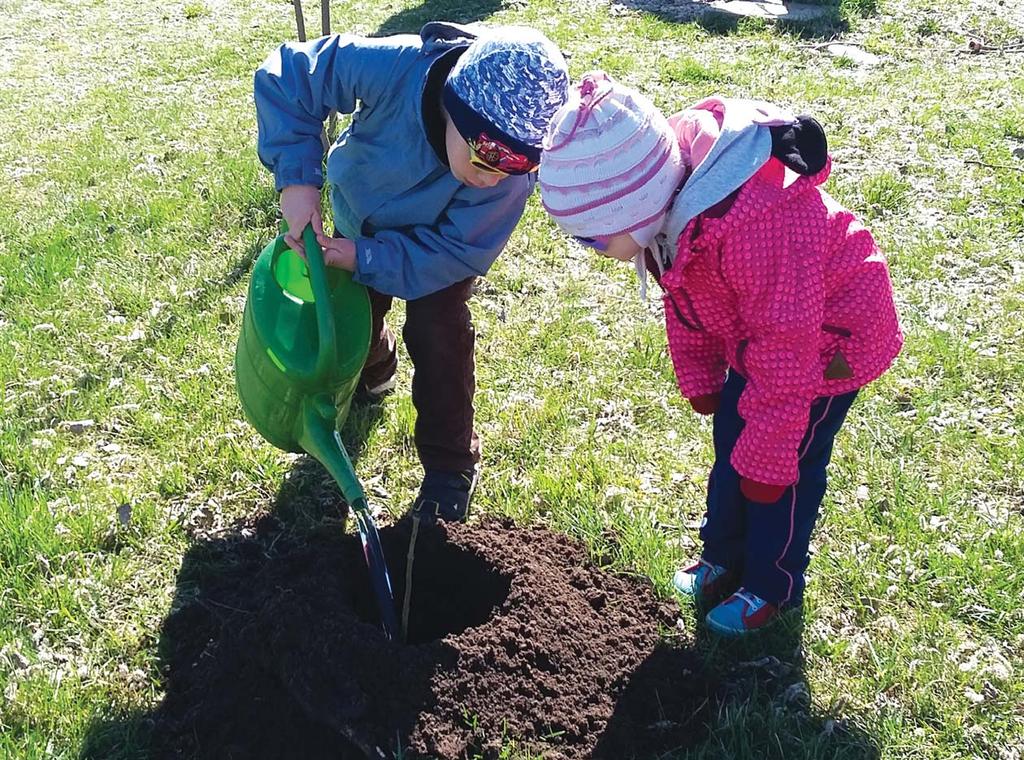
(762,493)
(338,252)
(707,404)
(300,205)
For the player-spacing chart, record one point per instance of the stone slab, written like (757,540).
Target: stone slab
(772,10)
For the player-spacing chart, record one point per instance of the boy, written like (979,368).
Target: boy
(426,186)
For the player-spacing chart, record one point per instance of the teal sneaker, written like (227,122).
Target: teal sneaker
(705,582)
(740,614)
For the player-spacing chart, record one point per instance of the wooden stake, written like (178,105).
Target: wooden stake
(332,118)
(300,22)
(408,578)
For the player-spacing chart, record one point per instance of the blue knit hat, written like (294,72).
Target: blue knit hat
(506,88)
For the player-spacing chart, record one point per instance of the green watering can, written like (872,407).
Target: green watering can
(296,373)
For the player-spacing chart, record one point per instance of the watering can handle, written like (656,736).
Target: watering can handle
(327,356)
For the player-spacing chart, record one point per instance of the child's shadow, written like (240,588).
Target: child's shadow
(803,19)
(760,705)
(765,706)
(411,20)
(252,624)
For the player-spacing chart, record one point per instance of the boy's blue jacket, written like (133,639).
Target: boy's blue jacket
(416,228)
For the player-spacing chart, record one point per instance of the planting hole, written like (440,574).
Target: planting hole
(453,589)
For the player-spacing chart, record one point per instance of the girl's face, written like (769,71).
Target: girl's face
(621,246)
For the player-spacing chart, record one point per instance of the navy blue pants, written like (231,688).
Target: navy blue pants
(768,542)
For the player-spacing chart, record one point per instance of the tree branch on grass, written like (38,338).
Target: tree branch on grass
(977,45)
(823,45)
(994,166)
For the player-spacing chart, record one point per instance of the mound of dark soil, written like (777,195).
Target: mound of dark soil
(513,635)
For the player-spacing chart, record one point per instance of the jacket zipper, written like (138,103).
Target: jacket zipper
(695,325)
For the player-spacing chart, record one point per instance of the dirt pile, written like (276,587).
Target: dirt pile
(513,634)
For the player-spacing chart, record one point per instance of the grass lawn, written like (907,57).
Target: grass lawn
(133,203)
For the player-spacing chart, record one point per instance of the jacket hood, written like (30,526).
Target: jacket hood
(727,141)
(774,184)
(729,147)
(444,35)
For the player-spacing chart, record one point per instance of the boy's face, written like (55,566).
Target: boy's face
(462,168)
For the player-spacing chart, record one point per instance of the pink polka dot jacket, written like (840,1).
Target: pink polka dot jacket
(790,290)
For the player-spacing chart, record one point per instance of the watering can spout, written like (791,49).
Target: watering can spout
(318,436)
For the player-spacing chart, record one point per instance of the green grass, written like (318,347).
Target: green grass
(134,203)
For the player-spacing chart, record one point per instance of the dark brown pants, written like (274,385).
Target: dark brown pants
(439,336)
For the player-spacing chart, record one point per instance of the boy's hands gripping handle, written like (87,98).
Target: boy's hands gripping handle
(300,206)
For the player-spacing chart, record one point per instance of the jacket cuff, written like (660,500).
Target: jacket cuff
(286,175)
(694,386)
(760,456)
(364,272)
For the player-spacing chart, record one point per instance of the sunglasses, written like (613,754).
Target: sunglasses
(599,243)
(479,163)
(493,157)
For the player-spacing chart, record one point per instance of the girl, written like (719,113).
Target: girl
(778,308)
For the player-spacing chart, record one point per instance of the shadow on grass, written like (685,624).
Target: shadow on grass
(765,708)
(410,20)
(762,708)
(221,701)
(829,21)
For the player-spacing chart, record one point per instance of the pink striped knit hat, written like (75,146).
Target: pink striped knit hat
(611,162)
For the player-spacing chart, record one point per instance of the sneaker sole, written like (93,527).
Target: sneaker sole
(730,633)
(383,389)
